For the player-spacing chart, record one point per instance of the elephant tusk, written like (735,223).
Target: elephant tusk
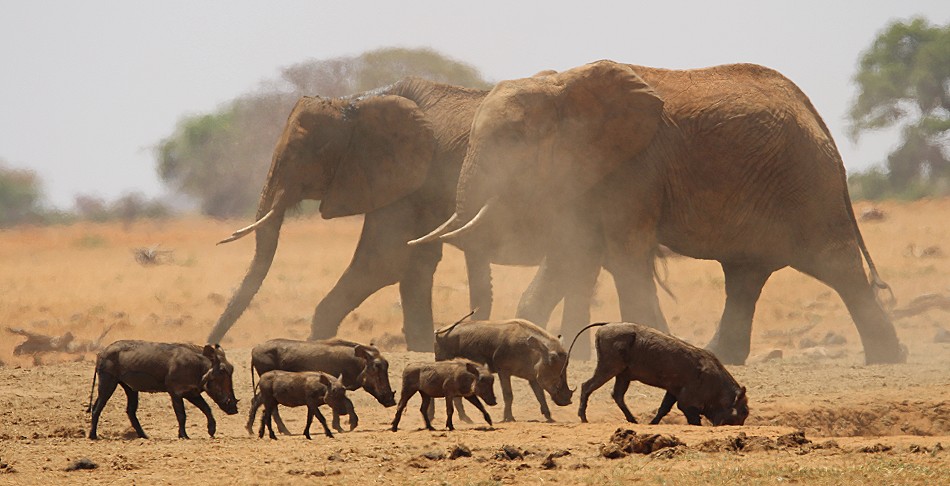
(478,219)
(436,233)
(247,229)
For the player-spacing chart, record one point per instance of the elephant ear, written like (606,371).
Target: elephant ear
(387,157)
(607,114)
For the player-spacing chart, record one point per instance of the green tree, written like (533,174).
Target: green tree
(903,80)
(21,196)
(220,159)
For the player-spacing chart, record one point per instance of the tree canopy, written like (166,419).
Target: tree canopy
(903,80)
(220,159)
(21,196)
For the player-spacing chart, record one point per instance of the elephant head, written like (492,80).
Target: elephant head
(547,139)
(353,154)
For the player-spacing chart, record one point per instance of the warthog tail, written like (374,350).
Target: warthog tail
(92,390)
(449,328)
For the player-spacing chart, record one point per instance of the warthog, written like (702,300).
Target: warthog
(693,378)
(510,348)
(295,389)
(357,365)
(182,370)
(450,379)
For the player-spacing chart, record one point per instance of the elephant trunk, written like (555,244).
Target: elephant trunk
(270,217)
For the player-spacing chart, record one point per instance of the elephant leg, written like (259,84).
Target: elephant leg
(576,313)
(380,259)
(543,294)
(479,285)
(275,414)
(843,271)
(636,290)
(354,286)
(415,290)
(744,282)
(460,408)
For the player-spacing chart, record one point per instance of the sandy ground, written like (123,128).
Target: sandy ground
(866,424)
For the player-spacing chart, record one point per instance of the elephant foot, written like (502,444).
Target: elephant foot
(885,355)
(730,355)
(420,344)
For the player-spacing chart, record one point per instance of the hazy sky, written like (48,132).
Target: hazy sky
(87,88)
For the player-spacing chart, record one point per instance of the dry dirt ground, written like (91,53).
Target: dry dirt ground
(866,424)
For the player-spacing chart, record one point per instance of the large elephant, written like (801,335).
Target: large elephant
(394,155)
(729,163)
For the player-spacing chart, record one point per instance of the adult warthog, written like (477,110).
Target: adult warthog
(181,370)
(692,377)
(357,366)
(510,348)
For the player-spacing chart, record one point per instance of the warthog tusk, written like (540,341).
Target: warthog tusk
(471,224)
(436,233)
(247,229)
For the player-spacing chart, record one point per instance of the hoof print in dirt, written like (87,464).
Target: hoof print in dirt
(84,463)
(626,441)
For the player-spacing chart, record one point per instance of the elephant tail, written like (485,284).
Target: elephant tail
(659,259)
(878,284)
(445,330)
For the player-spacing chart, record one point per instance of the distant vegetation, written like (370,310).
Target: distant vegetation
(903,80)
(220,159)
(22,202)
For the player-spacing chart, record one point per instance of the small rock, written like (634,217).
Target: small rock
(807,343)
(872,214)
(460,450)
(434,455)
(772,355)
(508,452)
(833,339)
(548,462)
(84,463)
(942,336)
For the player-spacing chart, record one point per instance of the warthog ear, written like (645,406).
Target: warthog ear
(473,369)
(364,352)
(210,353)
(326,381)
(741,395)
(536,344)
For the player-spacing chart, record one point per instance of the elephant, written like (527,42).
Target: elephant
(730,163)
(394,155)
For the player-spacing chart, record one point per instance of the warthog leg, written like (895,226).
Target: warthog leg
(539,394)
(202,405)
(620,388)
(131,407)
(665,406)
